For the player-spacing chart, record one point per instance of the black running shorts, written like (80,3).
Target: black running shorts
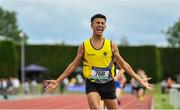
(106,90)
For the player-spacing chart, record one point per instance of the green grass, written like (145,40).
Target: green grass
(160,101)
(38,90)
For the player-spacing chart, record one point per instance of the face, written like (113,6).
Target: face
(98,26)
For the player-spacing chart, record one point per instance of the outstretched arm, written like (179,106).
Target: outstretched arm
(122,63)
(72,66)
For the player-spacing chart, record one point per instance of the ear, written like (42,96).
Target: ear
(105,26)
(91,25)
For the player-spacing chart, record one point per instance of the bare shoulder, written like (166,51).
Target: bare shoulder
(113,44)
(81,49)
(114,47)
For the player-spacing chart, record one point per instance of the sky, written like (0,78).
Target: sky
(141,22)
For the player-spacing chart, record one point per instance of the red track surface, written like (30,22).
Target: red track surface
(131,102)
(71,102)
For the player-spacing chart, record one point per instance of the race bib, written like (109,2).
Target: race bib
(99,73)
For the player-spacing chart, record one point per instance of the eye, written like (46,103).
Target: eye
(98,22)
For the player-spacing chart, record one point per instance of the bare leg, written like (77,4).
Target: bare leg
(118,92)
(140,92)
(111,103)
(94,100)
(102,106)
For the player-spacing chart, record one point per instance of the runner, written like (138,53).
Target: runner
(120,80)
(97,54)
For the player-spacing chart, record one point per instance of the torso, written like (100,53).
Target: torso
(97,58)
(97,44)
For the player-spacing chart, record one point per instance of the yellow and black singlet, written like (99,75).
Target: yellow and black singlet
(98,65)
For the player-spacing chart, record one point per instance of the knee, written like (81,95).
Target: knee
(94,106)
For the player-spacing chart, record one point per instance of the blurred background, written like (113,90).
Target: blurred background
(38,40)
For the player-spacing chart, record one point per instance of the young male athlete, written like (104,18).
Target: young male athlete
(97,54)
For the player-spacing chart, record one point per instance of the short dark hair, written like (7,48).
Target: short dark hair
(98,16)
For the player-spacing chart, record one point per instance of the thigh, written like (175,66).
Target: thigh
(108,90)
(94,100)
(90,86)
(111,103)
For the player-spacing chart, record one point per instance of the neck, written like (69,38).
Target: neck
(97,37)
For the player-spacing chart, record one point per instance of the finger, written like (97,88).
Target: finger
(48,81)
(151,85)
(148,78)
(49,91)
(151,88)
(43,91)
(46,92)
(47,87)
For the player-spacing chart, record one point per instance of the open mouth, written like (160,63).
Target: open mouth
(99,29)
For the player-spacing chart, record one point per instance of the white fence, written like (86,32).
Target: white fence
(175,95)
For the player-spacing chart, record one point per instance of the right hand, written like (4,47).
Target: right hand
(52,84)
(144,82)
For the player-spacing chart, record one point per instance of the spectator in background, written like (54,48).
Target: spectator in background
(80,80)
(163,86)
(72,81)
(63,85)
(66,81)
(5,83)
(178,79)
(169,83)
(15,85)
(133,83)
(9,86)
(140,87)
(44,84)
(119,82)
(32,86)
(26,87)
(3,88)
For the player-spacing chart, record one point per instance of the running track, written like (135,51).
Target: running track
(71,102)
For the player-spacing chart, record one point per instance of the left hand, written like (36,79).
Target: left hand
(144,82)
(52,85)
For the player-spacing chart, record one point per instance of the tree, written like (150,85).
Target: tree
(8,25)
(173,34)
